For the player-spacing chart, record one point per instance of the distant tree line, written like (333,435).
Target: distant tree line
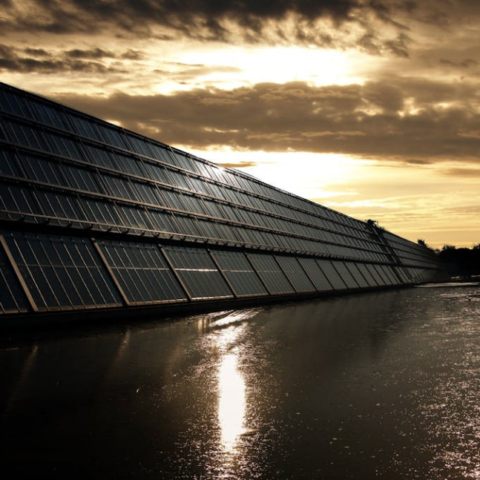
(459,262)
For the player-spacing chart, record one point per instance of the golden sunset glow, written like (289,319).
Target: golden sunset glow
(371,108)
(253,65)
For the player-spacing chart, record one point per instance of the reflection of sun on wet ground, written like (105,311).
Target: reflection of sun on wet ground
(224,337)
(231,402)
(226,334)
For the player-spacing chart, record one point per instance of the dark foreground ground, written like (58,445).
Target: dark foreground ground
(380,385)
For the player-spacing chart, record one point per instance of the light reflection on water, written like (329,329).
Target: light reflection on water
(383,385)
(225,333)
(231,402)
(451,406)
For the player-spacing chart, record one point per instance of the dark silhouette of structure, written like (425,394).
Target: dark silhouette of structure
(95,218)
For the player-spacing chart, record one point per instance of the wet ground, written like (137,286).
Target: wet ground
(379,385)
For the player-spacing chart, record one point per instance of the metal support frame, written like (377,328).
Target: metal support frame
(391,251)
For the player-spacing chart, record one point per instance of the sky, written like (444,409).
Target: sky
(369,107)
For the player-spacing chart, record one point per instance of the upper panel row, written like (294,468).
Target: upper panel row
(59,117)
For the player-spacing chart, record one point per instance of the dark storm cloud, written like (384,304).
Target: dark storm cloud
(36,52)
(367,120)
(40,61)
(93,53)
(254,21)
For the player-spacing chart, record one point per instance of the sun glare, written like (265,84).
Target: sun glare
(251,65)
(310,175)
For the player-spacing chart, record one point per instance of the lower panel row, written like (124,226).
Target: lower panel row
(43,272)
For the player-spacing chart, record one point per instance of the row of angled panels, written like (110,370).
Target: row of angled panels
(67,209)
(66,146)
(78,149)
(101,186)
(411,253)
(41,110)
(68,273)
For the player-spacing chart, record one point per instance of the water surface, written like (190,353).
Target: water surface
(379,385)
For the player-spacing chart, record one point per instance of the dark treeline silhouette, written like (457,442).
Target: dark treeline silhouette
(461,262)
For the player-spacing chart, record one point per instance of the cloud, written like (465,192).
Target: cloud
(36,52)
(416,161)
(93,53)
(319,22)
(182,73)
(463,172)
(132,54)
(239,164)
(37,60)
(182,15)
(466,63)
(297,116)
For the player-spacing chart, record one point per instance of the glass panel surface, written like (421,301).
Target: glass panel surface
(198,272)
(295,274)
(315,274)
(80,282)
(333,276)
(371,275)
(9,163)
(347,277)
(240,273)
(271,274)
(142,272)
(12,297)
(357,274)
(389,273)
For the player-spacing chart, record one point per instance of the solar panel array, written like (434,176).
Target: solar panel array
(95,216)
